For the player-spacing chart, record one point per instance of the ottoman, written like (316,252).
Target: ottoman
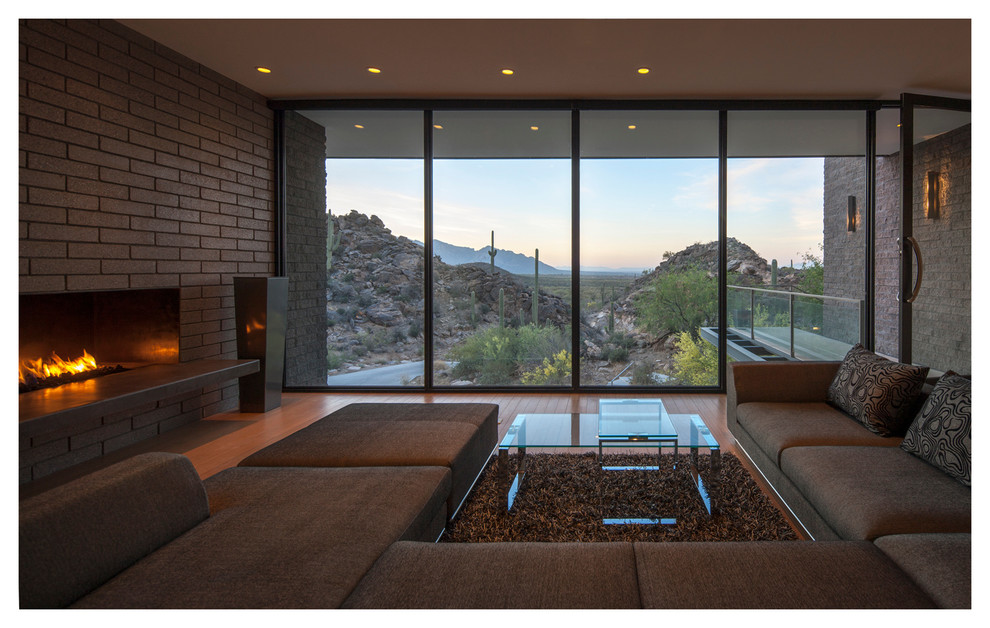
(460,436)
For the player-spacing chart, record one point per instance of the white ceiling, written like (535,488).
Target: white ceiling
(579,58)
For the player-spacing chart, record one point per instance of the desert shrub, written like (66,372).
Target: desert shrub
(616,348)
(537,343)
(555,372)
(488,355)
(642,375)
(334,359)
(494,355)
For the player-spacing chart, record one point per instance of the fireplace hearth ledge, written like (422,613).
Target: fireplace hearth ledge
(47,410)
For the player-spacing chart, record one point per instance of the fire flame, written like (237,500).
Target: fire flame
(55,366)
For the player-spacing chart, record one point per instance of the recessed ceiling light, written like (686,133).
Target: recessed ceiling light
(358,126)
(507,71)
(643,70)
(631,126)
(263,70)
(375,70)
(534,128)
(437,126)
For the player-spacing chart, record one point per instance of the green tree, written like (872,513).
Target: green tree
(677,302)
(813,277)
(695,362)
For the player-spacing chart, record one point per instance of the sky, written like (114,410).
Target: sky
(633,210)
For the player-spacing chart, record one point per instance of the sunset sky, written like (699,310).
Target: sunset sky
(633,210)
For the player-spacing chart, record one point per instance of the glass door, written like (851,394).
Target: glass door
(936,233)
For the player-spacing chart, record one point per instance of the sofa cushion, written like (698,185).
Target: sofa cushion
(940,564)
(940,434)
(284,538)
(866,492)
(775,426)
(77,536)
(501,575)
(460,436)
(772,574)
(881,394)
(477,414)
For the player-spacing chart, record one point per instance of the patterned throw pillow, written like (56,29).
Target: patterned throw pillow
(940,433)
(880,394)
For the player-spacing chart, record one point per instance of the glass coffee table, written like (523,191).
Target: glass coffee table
(626,423)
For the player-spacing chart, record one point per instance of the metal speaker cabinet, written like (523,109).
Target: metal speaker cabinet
(260,305)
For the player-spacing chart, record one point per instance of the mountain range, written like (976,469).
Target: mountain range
(515,263)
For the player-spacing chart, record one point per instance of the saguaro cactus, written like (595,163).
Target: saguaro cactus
(501,308)
(611,313)
(492,252)
(773,273)
(536,290)
(333,241)
(474,309)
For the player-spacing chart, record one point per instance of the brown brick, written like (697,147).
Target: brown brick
(95,125)
(154,281)
(96,282)
(97,251)
(29,248)
(66,167)
(49,283)
(97,189)
(62,133)
(154,224)
(126,236)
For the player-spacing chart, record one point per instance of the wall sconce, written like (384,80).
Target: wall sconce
(933,196)
(851,215)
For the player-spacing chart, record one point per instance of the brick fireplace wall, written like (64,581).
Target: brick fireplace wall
(139,168)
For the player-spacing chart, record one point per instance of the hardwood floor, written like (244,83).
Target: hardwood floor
(222,440)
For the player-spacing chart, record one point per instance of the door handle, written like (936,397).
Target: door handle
(921,269)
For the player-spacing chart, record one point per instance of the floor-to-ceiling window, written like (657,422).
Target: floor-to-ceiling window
(513,199)
(796,233)
(649,248)
(501,248)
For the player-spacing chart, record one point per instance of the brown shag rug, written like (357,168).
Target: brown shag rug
(565,497)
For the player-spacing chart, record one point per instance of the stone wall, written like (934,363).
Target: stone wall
(306,255)
(941,315)
(139,168)
(942,319)
(843,250)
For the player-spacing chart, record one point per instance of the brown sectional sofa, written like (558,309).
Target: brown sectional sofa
(841,480)
(147,533)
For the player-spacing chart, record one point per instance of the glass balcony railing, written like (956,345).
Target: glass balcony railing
(795,325)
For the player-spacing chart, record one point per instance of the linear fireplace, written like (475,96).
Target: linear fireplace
(125,327)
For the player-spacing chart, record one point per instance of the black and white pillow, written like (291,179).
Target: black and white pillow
(940,434)
(880,394)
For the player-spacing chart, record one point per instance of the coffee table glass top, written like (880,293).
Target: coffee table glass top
(581,430)
(634,419)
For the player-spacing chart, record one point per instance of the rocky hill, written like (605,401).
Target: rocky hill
(375,300)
